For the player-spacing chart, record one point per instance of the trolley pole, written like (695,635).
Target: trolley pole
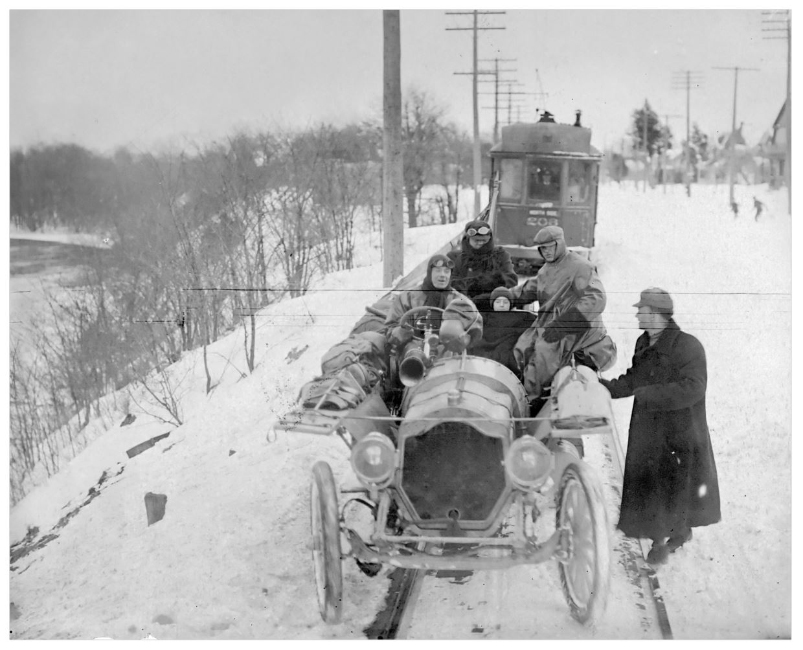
(732,139)
(477,160)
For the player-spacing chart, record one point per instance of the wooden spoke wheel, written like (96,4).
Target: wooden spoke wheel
(585,571)
(326,553)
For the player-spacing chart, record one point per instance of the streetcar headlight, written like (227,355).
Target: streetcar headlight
(374,459)
(528,462)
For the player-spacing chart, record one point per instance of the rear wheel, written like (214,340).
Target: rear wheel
(585,573)
(326,553)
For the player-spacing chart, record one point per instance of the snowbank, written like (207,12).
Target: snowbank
(230,559)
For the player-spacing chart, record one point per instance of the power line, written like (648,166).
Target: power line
(687,78)
(496,82)
(475,28)
(732,139)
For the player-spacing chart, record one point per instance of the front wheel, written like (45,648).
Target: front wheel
(326,553)
(585,572)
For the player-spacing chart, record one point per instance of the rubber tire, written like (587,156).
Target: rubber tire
(585,576)
(326,551)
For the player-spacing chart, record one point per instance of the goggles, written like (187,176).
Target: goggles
(439,264)
(482,230)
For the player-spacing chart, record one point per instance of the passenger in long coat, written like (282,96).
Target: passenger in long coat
(571,300)
(670,480)
(479,265)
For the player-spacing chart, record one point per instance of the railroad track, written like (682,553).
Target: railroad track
(648,573)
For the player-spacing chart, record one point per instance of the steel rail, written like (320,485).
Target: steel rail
(649,574)
(392,621)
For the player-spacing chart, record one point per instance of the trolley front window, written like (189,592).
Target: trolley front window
(577,191)
(510,180)
(543,181)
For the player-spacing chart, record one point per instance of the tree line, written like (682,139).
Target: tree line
(201,239)
(700,159)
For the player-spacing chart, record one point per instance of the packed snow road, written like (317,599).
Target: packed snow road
(231,559)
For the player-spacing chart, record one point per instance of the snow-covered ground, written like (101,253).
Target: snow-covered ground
(230,559)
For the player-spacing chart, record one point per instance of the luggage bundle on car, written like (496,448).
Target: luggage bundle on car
(349,370)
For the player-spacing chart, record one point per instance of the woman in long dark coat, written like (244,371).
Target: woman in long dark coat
(670,482)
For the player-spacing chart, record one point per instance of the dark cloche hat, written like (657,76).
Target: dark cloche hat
(501,292)
(656,299)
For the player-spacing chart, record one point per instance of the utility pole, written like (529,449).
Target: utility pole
(646,148)
(477,159)
(510,104)
(392,174)
(495,108)
(496,93)
(732,139)
(771,18)
(665,147)
(685,79)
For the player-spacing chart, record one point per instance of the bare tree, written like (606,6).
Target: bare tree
(422,136)
(453,164)
(289,217)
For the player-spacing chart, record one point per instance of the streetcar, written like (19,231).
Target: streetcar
(546,174)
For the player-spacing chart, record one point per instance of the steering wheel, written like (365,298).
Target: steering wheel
(407,316)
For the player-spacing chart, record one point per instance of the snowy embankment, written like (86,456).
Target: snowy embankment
(230,559)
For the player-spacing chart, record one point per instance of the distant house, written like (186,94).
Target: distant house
(731,150)
(773,148)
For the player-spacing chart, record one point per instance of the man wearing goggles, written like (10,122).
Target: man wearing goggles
(479,266)
(571,300)
(436,291)
(441,263)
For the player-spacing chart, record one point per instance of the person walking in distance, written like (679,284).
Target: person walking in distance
(670,479)
(759,206)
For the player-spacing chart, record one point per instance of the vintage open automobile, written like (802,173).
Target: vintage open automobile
(456,473)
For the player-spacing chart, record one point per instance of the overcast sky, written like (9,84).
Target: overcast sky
(142,79)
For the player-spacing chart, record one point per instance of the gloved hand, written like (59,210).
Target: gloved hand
(571,322)
(551,334)
(399,336)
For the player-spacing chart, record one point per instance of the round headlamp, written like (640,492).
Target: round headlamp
(374,459)
(528,463)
